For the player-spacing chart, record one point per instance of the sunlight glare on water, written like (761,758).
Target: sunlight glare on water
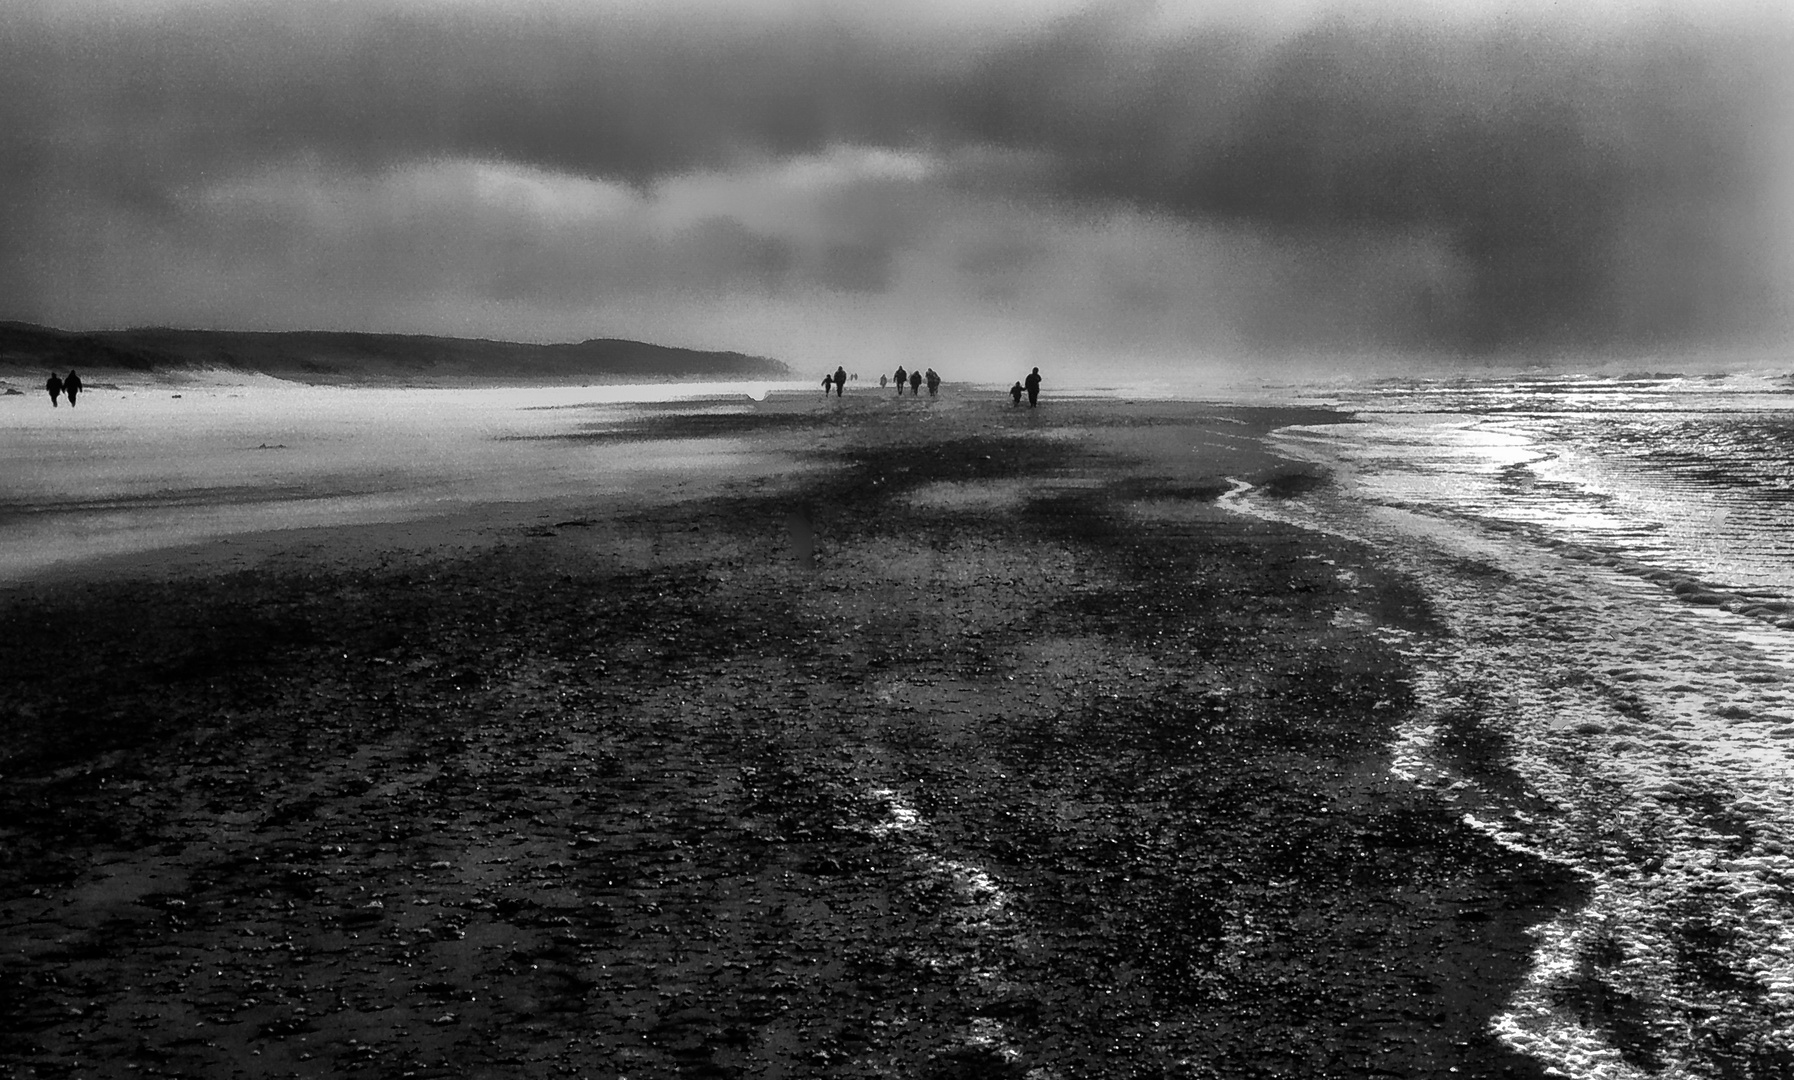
(1609,559)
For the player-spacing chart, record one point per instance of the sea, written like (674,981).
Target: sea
(1611,558)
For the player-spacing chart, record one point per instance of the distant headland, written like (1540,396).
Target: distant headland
(318,356)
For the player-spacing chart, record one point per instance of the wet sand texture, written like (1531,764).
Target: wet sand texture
(1034,763)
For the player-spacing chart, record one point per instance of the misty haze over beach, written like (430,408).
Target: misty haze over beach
(979,186)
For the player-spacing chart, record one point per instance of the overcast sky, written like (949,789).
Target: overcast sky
(976,186)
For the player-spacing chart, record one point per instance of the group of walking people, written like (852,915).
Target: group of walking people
(914,380)
(57,385)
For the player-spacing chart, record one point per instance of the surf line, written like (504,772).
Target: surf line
(1531,1023)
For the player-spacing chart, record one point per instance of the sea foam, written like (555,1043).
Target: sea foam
(1612,653)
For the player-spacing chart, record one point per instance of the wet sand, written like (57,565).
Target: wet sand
(985,743)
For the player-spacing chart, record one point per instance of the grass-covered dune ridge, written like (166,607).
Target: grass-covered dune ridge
(329,356)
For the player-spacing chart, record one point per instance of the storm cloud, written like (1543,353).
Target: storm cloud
(1092,184)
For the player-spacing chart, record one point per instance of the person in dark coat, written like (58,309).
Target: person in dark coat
(902,377)
(828,383)
(71,386)
(840,380)
(54,385)
(1033,382)
(1015,393)
(915,383)
(934,383)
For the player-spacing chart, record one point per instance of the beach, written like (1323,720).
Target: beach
(949,739)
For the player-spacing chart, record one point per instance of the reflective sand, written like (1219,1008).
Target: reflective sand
(135,468)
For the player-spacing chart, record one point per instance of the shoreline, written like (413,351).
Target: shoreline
(1037,760)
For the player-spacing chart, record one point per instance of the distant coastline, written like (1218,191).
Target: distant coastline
(345,357)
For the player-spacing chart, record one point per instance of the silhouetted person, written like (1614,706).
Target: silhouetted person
(915,383)
(1015,393)
(71,386)
(934,383)
(884,381)
(54,385)
(902,377)
(1033,382)
(840,380)
(828,383)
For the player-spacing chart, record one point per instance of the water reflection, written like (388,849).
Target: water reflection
(1691,474)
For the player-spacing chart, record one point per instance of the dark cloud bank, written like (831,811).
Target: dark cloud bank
(1620,184)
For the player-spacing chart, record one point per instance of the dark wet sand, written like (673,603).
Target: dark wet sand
(1046,767)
